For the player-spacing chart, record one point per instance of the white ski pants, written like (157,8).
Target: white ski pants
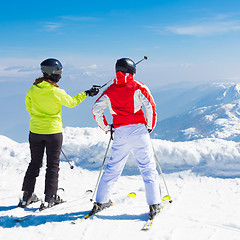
(137,139)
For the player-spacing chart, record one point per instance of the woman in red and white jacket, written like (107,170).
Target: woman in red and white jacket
(125,98)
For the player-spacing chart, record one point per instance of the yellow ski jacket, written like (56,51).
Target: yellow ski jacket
(43,102)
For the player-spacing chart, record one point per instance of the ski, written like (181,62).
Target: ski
(24,204)
(87,216)
(19,210)
(148,224)
(38,211)
(28,206)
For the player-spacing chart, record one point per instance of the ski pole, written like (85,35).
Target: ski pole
(71,166)
(157,161)
(144,58)
(101,168)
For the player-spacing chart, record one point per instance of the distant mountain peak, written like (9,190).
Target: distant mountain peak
(232,93)
(215,114)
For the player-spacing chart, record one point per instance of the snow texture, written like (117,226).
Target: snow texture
(203,178)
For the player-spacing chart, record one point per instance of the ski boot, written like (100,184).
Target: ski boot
(97,207)
(154,210)
(50,201)
(28,198)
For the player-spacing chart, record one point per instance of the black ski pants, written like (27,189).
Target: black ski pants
(53,145)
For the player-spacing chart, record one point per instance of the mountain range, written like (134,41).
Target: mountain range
(185,111)
(205,111)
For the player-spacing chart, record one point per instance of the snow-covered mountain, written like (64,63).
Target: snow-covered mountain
(215,114)
(185,112)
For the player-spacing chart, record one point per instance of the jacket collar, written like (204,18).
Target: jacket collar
(44,82)
(122,78)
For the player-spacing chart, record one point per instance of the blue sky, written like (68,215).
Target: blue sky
(187,40)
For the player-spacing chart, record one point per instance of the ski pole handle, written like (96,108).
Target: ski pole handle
(144,58)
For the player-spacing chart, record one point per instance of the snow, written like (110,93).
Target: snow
(203,178)
(210,111)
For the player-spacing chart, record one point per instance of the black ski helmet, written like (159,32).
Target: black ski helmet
(125,65)
(52,68)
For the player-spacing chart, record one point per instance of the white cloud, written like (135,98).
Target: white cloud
(205,29)
(52,26)
(219,24)
(16,72)
(11,69)
(93,66)
(63,21)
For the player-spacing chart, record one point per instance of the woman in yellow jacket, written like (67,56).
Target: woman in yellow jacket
(43,102)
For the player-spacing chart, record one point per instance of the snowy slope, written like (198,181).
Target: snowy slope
(204,206)
(215,114)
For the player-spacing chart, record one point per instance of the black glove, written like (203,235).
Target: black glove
(92,92)
(149,130)
(112,129)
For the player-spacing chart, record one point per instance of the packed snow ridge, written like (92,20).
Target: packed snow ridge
(85,147)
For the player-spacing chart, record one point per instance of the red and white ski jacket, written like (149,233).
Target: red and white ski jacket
(124,98)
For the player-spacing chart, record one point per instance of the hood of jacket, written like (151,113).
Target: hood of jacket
(123,78)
